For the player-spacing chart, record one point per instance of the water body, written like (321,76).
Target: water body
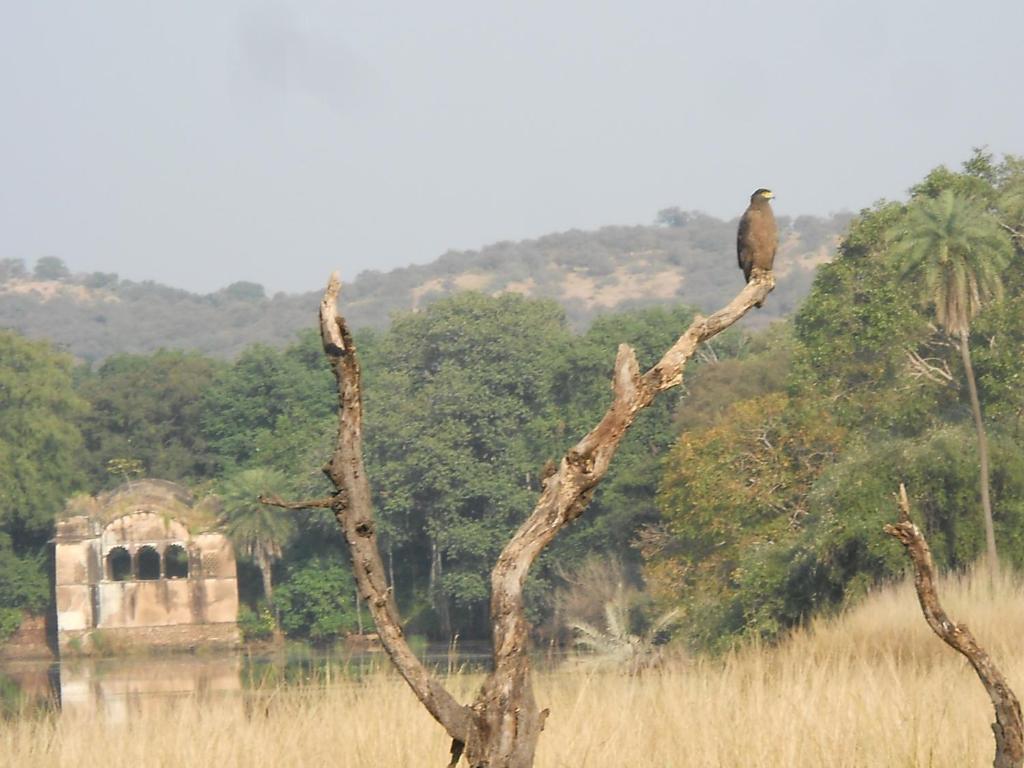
(115,688)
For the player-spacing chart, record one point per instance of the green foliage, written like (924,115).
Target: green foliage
(146,409)
(258,531)
(24,587)
(730,492)
(957,252)
(23,581)
(255,625)
(748,368)
(242,291)
(10,620)
(854,330)
(317,600)
(50,268)
(997,349)
(766,509)
(250,524)
(837,552)
(746,562)
(271,408)
(40,445)
(841,552)
(458,401)
(12,269)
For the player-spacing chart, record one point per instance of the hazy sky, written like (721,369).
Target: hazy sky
(199,143)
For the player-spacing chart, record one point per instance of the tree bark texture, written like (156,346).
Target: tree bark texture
(1008,727)
(265,564)
(502,727)
(979,426)
(353,509)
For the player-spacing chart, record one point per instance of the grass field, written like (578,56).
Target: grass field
(871,688)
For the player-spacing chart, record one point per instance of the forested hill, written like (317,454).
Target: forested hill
(685,257)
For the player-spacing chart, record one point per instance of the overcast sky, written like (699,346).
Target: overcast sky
(200,143)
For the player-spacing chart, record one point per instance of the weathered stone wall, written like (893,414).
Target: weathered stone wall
(28,642)
(122,576)
(124,640)
(165,602)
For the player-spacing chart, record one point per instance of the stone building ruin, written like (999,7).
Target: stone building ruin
(141,566)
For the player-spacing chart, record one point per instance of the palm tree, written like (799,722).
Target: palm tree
(958,253)
(257,530)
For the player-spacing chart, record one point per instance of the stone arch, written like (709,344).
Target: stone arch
(119,564)
(176,562)
(147,563)
(143,563)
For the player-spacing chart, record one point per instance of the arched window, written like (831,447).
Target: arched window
(176,562)
(119,564)
(147,564)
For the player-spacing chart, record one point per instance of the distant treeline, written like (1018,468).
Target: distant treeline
(96,315)
(752,497)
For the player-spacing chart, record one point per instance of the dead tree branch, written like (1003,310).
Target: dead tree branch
(502,727)
(932,368)
(508,723)
(1015,234)
(1008,727)
(355,516)
(274,500)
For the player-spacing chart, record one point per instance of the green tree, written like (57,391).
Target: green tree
(958,253)
(242,290)
(731,492)
(458,411)
(147,408)
(24,586)
(839,555)
(12,269)
(317,600)
(40,444)
(271,408)
(259,531)
(50,268)
(855,329)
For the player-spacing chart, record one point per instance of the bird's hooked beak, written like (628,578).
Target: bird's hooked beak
(769,195)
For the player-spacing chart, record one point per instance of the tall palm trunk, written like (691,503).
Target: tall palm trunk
(979,425)
(266,565)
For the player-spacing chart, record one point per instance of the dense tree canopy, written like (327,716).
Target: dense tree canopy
(772,509)
(750,498)
(269,408)
(40,444)
(40,452)
(147,409)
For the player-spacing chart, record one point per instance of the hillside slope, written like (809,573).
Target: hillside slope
(685,258)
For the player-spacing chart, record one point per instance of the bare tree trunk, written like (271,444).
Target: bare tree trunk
(1009,726)
(391,564)
(503,726)
(436,591)
(353,508)
(266,574)
(265,564)
(979,426)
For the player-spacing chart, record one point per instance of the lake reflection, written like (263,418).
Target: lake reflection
(117,688)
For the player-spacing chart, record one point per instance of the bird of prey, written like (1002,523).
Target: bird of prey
(758,237)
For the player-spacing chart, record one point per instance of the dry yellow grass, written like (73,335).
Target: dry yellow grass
(873,688)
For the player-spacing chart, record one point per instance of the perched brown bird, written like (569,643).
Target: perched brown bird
(758,237)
